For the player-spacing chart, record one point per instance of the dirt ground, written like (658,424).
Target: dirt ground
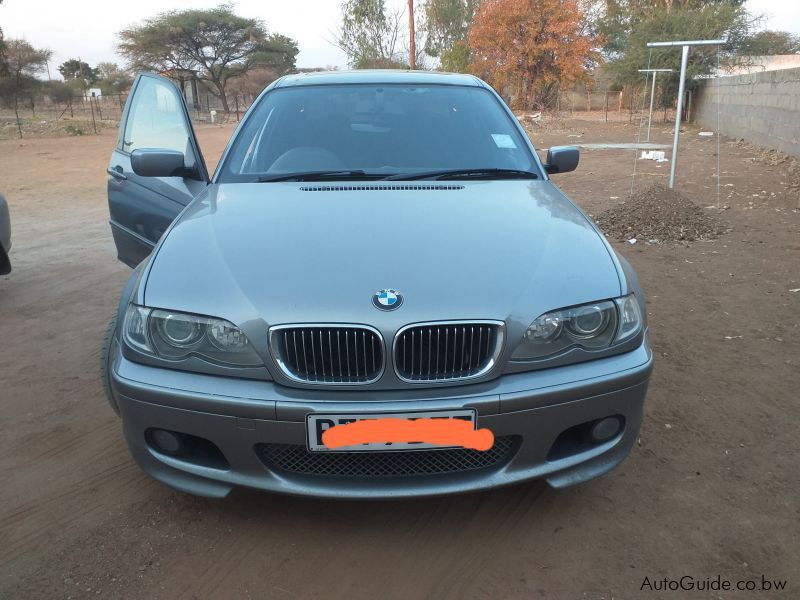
(711,489)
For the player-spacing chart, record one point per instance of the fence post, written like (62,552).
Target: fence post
(606,105)
(99,112)
(16,114)
(236,101)
(689,108)
(69,102)
(91,106)
(588,101)
(619,107)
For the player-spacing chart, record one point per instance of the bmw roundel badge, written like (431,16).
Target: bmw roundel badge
(387,299)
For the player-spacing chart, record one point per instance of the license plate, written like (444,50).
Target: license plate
(317,424)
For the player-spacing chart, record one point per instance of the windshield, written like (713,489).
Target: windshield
(378,129)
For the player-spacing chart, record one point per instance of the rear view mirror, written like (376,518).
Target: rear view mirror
(155,162)
(561,159)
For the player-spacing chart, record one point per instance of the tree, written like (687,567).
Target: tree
(75,70)
(618,18)
(58,91)
(768,43)
(712,21)
(3,58)
(531,47)
(369,35)
(448,22)
(112,79)
(216,43)
(24,63)
(456,58)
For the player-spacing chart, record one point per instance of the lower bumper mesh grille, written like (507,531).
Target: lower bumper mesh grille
(297,459)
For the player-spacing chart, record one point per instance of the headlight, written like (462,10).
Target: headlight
(174,336)
(590,326)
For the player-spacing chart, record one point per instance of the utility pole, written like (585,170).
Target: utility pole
(412,58)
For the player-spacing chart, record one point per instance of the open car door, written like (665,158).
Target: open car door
(156,168)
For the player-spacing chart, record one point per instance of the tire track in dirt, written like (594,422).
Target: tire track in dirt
(57,506)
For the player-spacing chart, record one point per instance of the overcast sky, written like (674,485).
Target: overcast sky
(87,28)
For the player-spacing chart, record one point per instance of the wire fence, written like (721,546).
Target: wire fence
(614,106)
(41,116)
(78,115)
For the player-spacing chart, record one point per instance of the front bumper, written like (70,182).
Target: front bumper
(239,415)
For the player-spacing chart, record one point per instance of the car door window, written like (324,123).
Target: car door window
(156,118)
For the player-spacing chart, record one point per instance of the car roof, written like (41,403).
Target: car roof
(373,76)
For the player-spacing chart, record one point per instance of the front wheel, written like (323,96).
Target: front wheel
(105,362)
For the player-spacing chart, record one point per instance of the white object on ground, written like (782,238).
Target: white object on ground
(632,241)
(706,133)
(656,155)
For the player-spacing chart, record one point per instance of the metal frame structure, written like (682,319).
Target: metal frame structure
(685,45)
(655,72)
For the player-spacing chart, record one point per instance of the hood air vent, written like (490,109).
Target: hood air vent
(414,187)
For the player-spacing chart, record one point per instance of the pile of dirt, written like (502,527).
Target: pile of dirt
(657,214)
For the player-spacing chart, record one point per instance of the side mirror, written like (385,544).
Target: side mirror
(561,159)
(155,162)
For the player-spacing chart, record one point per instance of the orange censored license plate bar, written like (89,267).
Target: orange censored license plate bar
(436,429)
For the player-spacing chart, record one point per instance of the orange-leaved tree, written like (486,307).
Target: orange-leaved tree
(527,49)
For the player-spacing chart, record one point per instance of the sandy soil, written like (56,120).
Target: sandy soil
(712,488)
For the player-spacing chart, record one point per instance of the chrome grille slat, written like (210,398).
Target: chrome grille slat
(457,351)
(307,353)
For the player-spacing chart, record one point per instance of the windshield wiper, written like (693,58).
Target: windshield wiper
(465,174)
(356,174)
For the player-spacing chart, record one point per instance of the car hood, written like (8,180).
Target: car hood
(300,253)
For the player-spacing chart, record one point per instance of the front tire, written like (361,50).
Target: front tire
(105,362)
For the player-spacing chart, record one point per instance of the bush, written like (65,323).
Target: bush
(57,91)
(74,130)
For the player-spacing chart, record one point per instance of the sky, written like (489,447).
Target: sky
(87,28)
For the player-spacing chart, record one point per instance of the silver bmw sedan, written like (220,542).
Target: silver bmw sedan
(374,246)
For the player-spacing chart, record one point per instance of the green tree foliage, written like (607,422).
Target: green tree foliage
(58,91)
(768,43)
(448,22)
(369,35)
(112,79)
(75,70)
(713,20)
(216,43)
(618,18)
(455,58)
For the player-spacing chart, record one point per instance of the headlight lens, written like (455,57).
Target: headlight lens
(176,336)
(630,317)
(590,326)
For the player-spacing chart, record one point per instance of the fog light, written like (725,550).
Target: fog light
(605,429)
(166,441)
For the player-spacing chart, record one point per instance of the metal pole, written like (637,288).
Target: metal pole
(678,114)
(686,43)
(652,97)
(412,54)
